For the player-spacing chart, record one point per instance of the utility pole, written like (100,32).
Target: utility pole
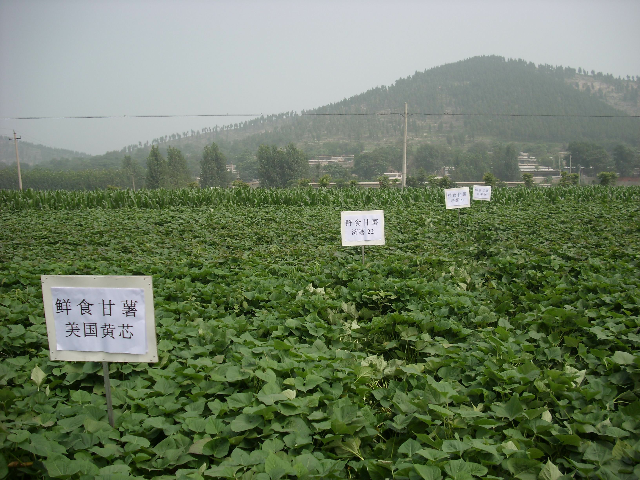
(15,141)
(404,152)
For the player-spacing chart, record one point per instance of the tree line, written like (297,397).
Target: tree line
(276,167)
(288,166)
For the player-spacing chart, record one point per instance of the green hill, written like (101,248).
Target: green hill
(482,93)
(487,98)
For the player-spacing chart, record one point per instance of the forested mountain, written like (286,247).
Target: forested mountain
(32,154)
(488,90)
(486,99)
(489,97)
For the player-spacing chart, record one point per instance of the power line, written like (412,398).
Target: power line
(91,117)
(449,114)
(377,114)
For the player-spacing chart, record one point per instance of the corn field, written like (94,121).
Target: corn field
(340,198)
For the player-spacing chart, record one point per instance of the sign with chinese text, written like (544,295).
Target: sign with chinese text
(457,198)
(100,318)
(362,228)
(482,192)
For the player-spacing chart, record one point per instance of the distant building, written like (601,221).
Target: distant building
(393,175)
(345,161)
(529,164)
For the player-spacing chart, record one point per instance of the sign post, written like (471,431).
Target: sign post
(100,319)
(456,198)
(107,392)
(362,228)
(482,192)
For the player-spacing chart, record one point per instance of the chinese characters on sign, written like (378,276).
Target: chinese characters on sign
(457,197)
(482,192)
(362,228)
(99,319)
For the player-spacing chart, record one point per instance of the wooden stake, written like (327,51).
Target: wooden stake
(107,392)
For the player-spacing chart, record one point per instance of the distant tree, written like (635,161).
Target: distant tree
(625,159)
(156,169)
(213,167)
(177,168)
(440,182)
(383,181)
(607,178)
(470,165)
(412,181)
(237,183)
(567,179)
(279,167)
(527,178)
(431,158)
(341,183)
(370,165)
(324,181)
(591,156)
(337,171)
(131,170)
(490,179)
(505,162)
(247,165)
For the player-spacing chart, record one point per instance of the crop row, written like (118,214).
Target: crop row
(304,197)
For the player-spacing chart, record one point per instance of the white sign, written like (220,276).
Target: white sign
(106,318)
(457,198)
(362,228)
(482,192)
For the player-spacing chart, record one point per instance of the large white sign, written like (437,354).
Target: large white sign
(102,318)
(457,198)
(482,192)
(362,228)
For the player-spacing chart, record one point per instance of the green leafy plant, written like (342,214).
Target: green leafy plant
(482,350)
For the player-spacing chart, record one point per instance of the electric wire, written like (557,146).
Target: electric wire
(361,114)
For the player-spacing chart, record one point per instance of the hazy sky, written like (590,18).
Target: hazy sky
(62,58)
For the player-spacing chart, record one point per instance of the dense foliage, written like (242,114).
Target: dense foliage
(497,342)
(213,171)
(157,171)
(280,167)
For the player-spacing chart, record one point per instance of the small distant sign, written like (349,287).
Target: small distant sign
(100,318)
(457,197)
(362,228)
(482,192)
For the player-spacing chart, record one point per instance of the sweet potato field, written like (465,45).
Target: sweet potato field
(502,342)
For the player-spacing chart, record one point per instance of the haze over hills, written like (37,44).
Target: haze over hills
(33,154)
(488,98)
